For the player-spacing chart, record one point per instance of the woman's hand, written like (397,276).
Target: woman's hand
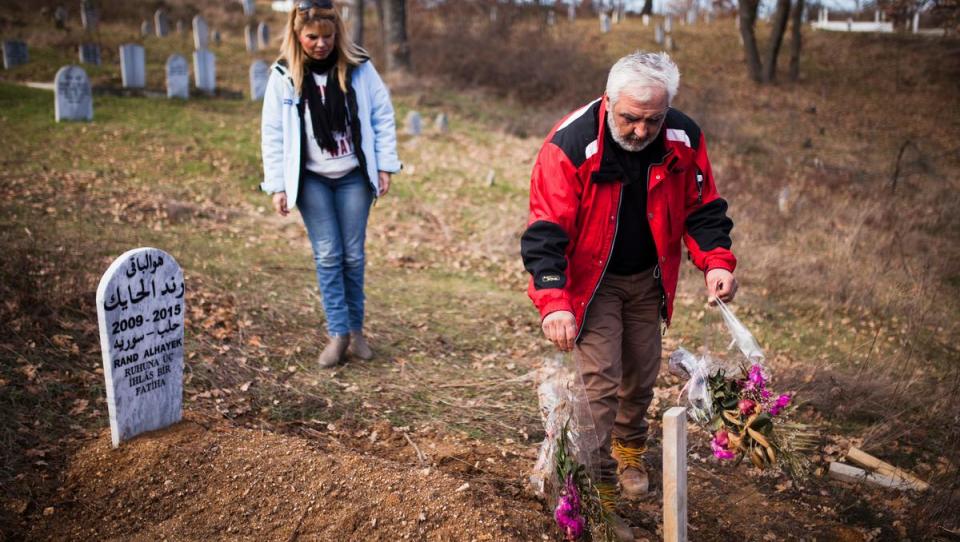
(280,203)
(384,182)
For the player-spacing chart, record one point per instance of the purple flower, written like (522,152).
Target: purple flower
(568,514)
(719,445)
(780,404)
(756,377)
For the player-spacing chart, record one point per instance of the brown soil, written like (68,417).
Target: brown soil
(205,479)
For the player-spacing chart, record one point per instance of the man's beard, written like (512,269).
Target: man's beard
(630,145)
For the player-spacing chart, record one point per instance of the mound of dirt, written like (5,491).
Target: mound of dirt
(199,480)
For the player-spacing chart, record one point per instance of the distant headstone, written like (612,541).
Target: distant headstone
(161,23)
(646,19)
(571,12)
(205,70)
(216,37)
(441,124)
(90,53)
(180,27)
(250,37)
(201,33)
(604,23)
(551,18)
(658,34)
(146,28)
(413,124)
(263,36)
(14,54)
(133,69)
(60,17)
(73,98)
(140,308)
(259,73)
(708,16)
(178,77)
(668,43)
(668,24)
(493,14)
(248,8)
(88,16)
(692,17)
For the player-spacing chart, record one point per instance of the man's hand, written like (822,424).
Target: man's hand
(561,328)
(721,284)
(280,203)
(384,182)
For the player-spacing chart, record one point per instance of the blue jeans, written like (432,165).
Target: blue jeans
(335,214)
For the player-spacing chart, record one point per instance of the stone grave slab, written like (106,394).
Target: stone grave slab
(90,53)
(413,124)
(140,309)
(205,70)
(250,38)
(88,16)
(14,53)
(248,7)
(259,73)
(161,23)
(178,77)
(441,124)
(263,36)
(73,97)
(201,33)
(146,28)
(133,67)
(216,37)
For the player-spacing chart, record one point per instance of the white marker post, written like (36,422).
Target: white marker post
(675,475)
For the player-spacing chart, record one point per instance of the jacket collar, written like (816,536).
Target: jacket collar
(609,169)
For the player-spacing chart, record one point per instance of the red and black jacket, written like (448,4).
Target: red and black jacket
(575,198)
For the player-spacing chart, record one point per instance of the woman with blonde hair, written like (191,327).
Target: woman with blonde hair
(329,148)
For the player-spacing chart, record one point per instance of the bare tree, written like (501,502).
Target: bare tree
(748,20)
(647,7)
(779,21)
(356,30)
(796,25)
(394,20)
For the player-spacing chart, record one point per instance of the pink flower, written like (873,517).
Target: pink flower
(746,406)
(719,445)
(756,376)
(568,514)
(780,404)
(765,394)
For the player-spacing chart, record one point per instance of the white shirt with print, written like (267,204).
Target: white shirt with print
(319,160)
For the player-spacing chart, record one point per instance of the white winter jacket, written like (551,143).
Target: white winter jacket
(280,130)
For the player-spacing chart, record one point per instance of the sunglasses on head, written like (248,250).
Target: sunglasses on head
(304,5)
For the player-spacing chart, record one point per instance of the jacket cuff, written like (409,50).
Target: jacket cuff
(555,306)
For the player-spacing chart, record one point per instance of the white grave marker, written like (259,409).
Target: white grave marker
(441,124)
(205,71)
(646,20)
(178,77)
(413,124)
(263,36)
(658,34)
(88,16)
(675,475)
(133,70)
(146,28)
(180,27)
(14,54)
(201,33)
(216,37)
(250,37)
(161,23)
(73,99)
(140,307)
(604,23)
(668,24)
(259,73)
(90,53)
(248,7)
(571,12)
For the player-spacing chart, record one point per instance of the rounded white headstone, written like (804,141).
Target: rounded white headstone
(73,96)
(178,77)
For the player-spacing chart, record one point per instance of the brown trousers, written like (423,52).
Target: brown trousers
(618,357)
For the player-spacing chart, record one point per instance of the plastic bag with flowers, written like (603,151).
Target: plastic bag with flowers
(564,473)
(734,399)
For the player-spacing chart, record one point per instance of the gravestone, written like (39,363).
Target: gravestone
(161,23)
(178,77)
(140,308)
(692,17)
(201,33)
(646,19)
(14,53)
(90,53)
(248,8)
(259,73)
(180,27)
(60,17)
(675,475)
(250,37)
(88,16)
(413,124)
(73,99)
(604,23)
(658,34)
(263,36)
(571,12)
(668,24)
(493,14)
(668,43)
(205,71)
(216,37)
(441,124)
(551,18)
(133,70)
(146,28)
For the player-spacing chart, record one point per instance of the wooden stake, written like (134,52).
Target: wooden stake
(675,475)
(864,459)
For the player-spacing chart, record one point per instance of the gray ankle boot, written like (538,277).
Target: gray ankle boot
(359,346)
(333,353)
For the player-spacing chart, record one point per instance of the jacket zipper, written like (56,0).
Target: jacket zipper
(616,227)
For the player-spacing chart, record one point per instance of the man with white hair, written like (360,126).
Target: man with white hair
(616,186)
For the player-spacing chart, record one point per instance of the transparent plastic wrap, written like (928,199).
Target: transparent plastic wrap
(698,369)
(563,402)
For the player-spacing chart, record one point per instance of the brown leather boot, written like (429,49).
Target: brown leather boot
(333,353)
(634,482)
(359,346)
(619,527)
